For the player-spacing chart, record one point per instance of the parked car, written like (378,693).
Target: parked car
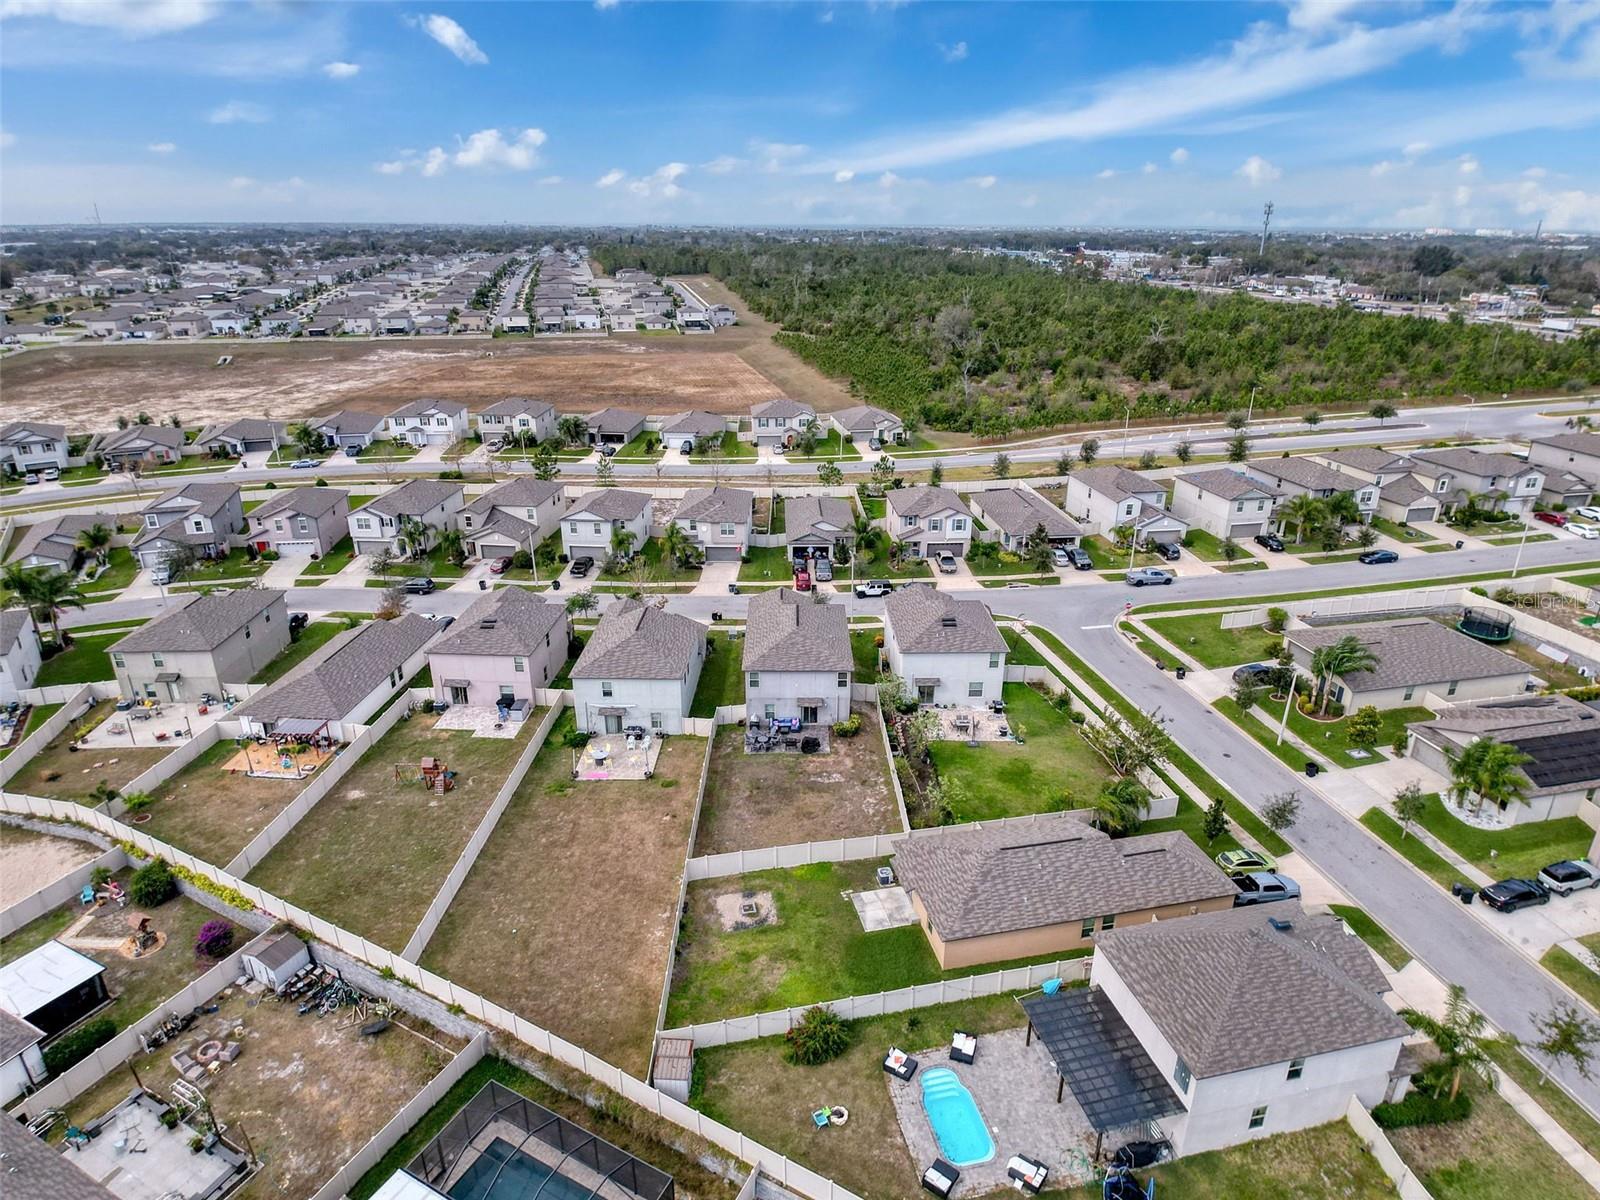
(802,580)
(1570,875)
(1511,894)
(1061,556)
(606,450)
(300,464)
(422,586)
(821,570)
(161,574)
(869,588)
(1139,576)
(947,563)
(31,477)
(1589,532)
(51,474)
(687,447)
(1373,557)
(1254,672)
(1246,862)
(1589,512)
(581,566)
(1167,550)
(1079,557)
(1551,518)
(1270,540)
(1263,887)
(500,565)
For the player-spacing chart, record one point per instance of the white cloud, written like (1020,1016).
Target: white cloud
(396,167)
(1380,169)
(236,111)
(489,148)
(888,179)
(1467,165)
(663,181)
(1029,200)
(1565,40)
(161,147)
(955,53)
(1535,173)
(1148,169)
(612,177)
(773,155)
(1179,156)
(434,162)
(7,139)
(549,181)
(983,181)
(826,17)
(1463,195)
(1107,173)
(144,19)
(341,70)
(1415,149)
(240,182)
(452,37)
(843,176)
(602,5)
(1319,15)
(722,165)
(1258,171)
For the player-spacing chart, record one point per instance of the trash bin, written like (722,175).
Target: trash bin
(1182,672)
(555,585)
(1312,769)
(483,585)
(716,617)
(1459,543)
(1463,891)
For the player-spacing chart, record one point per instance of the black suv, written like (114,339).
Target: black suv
(420,587)
(1167,550)
(581,566)
(1270,540)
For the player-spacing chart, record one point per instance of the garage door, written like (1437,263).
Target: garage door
(1245,531)
(297,547)
(937,548)
(722,554)
(598,553)
(1424,512)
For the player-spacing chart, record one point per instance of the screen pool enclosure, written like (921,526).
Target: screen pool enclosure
(503,1146)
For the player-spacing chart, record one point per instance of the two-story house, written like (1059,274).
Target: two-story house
(1307,477)
(301,520)
(350,430)
(507,643)
(205,517)
(1453,475)
(930,521)
(1571,465)
(640,667)
(137,446)
(1015,514)
(517,419)
(718,520)
(429,422)
(19,654)
(1225,503)
(1103,499)
(947,651)
(1402,497)
(517,515)
(797,659)
(778,422)
(32,446)
(867,426)
(588,526)
(384,522)
(203,646)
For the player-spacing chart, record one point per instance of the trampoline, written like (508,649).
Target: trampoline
(1485,624)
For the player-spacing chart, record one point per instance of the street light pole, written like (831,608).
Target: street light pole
(1517,566)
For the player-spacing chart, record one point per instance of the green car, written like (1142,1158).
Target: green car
(1242,862)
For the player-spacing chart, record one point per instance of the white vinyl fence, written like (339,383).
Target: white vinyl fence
(888,759)
(683,893)
(61,693)
(186,752)
(80,697)
(1383,1151)
(851,1008)
(58,892)
(480,836)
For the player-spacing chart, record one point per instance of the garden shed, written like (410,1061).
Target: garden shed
(52,987)
(275,963)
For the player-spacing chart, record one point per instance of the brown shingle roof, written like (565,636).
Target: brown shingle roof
(925,621)
(785,631)
(1412,653)
(924,501)
(1019,511)
(610,504)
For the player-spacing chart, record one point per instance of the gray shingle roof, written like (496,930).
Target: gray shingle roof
(635,640)
(160,435)
(1473,462)
(203,623)
(926,621)
(243,429)
(349,420)
(864,417)
(524,493)
(505,621)
(614,420)
(1119,482)
(421,408)
(1560,735)
(1302,472)
(413,498)
(1365,458)
(817,517)
(32,431)
(1412,653)
(16,1035)
(35,1171)
(328,685)
(1231,992)
(307,501)
(202,498)
(1019,511)
(1407,489)
(781,409)
(786,631)
(1230,485)
(716,504)
(924,501)
(55,538)
(12,622)
(1001,879)
(1577,443)
(610,504)
(518,406)
(693,423)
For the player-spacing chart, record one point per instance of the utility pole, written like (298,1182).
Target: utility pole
(1266,222)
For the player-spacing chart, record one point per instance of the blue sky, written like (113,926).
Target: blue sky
(1344,114)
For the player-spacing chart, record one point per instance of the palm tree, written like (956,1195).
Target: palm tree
(1344,657)
(45,592)
(1342,507)
(677,542)
(1459,1037)
(1489,771)
(306,439)
(452,546)
(95,540)
(1120,807)
(418,534)
(573,429)
(621,542)
(1301,511)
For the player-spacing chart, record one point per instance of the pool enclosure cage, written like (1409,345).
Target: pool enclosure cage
(1485,624)
(574,1164)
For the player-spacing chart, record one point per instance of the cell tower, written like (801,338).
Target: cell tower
(1266,222)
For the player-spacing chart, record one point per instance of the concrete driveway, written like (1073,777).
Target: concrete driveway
(715,578)
(285,571)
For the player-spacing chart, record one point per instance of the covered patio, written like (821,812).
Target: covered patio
(295,748)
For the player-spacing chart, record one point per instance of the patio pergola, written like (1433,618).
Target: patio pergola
(1098,1056)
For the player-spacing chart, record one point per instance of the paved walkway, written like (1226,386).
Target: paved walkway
(1545,1126)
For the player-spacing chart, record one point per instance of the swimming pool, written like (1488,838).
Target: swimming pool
(963,1137)
(518,1179)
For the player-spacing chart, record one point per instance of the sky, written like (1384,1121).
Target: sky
(1343,114)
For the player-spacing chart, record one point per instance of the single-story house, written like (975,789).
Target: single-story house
(865,424)
(778,422)
(1416,657)
(640,667)
(1225,503)
(52,987)
(53,542)
(206,517)
(614,426)
(587,527)
(1011,892)
(797,659)
(947,651)
(818,526)
(247,435)
(1572,457)
(381,521)
(19,654)
(507,643)
(688,427)
(344,682)
(517,417)
(1103,499)
(138,445)
(301,520)
(429,422)
(517,515)
(930,521)
(1014,514)
(21,1062)
(349,429)
(718,519)
(203,646)
(32,446)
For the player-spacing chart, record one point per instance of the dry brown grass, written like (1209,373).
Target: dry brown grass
(78,772)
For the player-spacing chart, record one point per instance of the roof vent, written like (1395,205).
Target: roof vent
(948,622)
(488,623)
(1280,924)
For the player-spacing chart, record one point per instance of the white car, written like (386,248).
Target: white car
(1590,512)
(1582,530)
(1570,875)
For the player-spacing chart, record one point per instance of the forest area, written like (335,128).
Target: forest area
(989,345)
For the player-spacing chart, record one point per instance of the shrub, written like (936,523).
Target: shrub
(77,1045)
(100,876)
(1277,618)
(1079,716)
(522,561)
(214,940)
(1419,1108)
(269,486)
(152,884)
(269,556)
(575,739)
(137,801)
(321,482)
(878,641)
(819,1036)
(849,728)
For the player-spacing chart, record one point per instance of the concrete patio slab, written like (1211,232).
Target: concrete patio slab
(618,756)
(884,908)
(481,719)
(168,726)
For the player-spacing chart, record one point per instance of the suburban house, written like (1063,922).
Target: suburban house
(32,446)
(1009,892)
(517,515)
(1571,463)
(1560,736)
(202,647)
(778,422)
(718,519)
(685,428)
(301,520)
(1454,475)
(1261,1019)
(1402,497)
(1013,514)
(21,1070)
(247,435)
(517,417)
(383,521)
(640,667)
(19,654)
(1416,657)
(349,430)
(202,516)
(1306,477)
(53,542)
(429,422)
(614,426)
(1225,503)
(947,651)
(818,526)
(587,527)
(797,659)
(507,643)
(344,682)
(1103,499)
(930,521)
(865,424)
(138,445)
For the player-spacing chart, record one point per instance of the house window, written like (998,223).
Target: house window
(958,524)
(278,526)
(1258,1117)
(755,680)
(572,526)
(1238,506)
(1297,1068)
(1109,921)
(656,721)
(994,661)
(1087,929)
(908,522)
(363,523)
(1441,485)
(935,524)
(974,689)
(466,521)
(597,526)
(519,664)
(116,660)
(727,529)
(844,678)
(605,690)
(303,525)
(1410,692)
(156,660)
(199,525)
(151,521)
(1181,1076)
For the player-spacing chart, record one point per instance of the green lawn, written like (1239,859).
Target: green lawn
(864,646)
(731,450)
(777,521)
(832,446)
(768,564)
(647,447)
(1190,821)
(815,951)
(1248,564)
(1566,1111)
(661,569)
(433,564)
(121,567)
(1020,651)
(1565,967)
(1400,533)
(1054,768)
(721,679)
(1332,738)
(1520,850)
(1285,751)
(1590,580)
(339,556)
(874,507)
(1488,528)
(384,448)
(1530,539)
(1373,934)
(1202,637)
(84,661)
(38,714)
(235,564)
(284,455)
(315,634)
(1004,563)
(876,564)
(1411,849)
(1207,547)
